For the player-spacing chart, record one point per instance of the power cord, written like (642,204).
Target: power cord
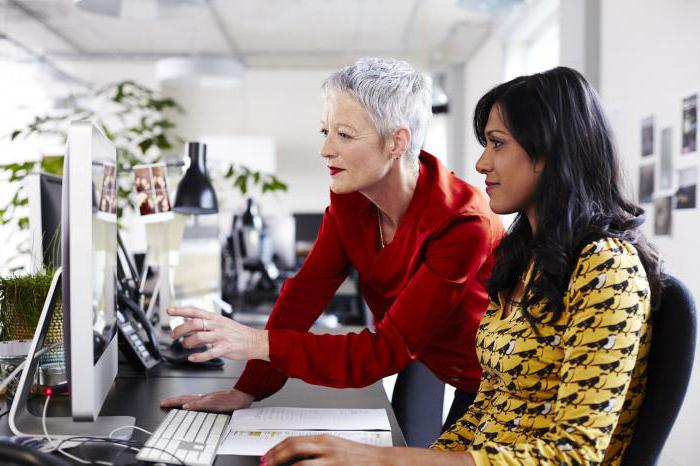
(81,440)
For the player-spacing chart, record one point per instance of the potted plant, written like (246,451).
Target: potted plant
(22,299)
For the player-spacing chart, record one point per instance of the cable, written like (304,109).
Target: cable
(128,444)
(127,427)
(125,443)
(57,447)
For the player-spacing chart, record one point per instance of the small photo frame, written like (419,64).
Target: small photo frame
(663,212)
(646,183)
(666,159)
(152,197)
(689,125)
(687,188)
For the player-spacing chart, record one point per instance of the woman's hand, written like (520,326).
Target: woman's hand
(326,450)
(224,401)
(227,338)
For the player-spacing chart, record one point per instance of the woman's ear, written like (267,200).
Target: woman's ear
(398,142)
(539,166)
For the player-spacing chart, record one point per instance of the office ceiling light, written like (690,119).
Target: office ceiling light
(199,71)
(489,6)
(144,9)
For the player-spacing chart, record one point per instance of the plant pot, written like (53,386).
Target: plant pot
(21,302)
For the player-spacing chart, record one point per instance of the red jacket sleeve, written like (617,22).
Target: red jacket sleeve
(301,301)
(452,260)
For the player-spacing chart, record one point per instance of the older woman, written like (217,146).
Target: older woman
(419,237)
(565,340)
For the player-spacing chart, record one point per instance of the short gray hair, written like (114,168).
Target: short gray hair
(392,92)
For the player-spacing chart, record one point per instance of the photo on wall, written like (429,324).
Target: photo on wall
(647,136)
(666,159)
(663,207)
(687,188)
(646,183)
(689,125)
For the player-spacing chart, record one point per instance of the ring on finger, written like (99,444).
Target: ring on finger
(204,325)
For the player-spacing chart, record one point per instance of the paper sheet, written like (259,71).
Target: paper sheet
(257,443)
(274,418)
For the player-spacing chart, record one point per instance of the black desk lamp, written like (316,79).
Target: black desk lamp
(195,194)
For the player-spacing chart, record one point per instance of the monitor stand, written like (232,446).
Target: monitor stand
(23,422)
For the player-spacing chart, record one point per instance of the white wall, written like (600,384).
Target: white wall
(649,63)
(484,70)
(284,104)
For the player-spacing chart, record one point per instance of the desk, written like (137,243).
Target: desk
(144,394)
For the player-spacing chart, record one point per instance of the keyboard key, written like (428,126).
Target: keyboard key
(184,425)
(179,416)
(206,427)
(194,428)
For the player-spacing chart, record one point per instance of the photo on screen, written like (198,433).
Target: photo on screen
(108,193)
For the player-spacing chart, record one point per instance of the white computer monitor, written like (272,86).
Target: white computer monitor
(89,245)
(88,281)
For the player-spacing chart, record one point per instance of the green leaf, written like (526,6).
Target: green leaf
(14,134)
(145,145)
(162,142)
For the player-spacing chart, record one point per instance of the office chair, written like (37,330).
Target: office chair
(417,402)
(668,371)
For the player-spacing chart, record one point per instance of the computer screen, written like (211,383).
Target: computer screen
(307,226)
(88,280)
(89,230)
(44,196)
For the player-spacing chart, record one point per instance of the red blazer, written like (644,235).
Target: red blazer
(426,290)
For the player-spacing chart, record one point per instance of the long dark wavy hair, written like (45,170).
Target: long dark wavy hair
(556,117)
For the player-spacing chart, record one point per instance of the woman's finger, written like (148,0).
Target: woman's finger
(191,312)
(217,350)
(209,404)
(194,325)
(307,447)
(185,328)
(202,338)
(177,401)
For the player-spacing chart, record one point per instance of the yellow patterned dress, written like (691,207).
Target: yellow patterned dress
(569,395)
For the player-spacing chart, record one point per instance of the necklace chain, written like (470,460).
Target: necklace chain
(381,229)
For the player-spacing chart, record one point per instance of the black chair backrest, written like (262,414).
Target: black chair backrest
(669,367)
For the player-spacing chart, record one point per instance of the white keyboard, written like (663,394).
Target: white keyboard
(185,437)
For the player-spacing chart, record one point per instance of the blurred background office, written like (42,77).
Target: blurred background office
(247,76)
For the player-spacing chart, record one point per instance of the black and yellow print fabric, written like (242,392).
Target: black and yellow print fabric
(570,394)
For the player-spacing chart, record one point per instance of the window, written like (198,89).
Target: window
(533,42)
